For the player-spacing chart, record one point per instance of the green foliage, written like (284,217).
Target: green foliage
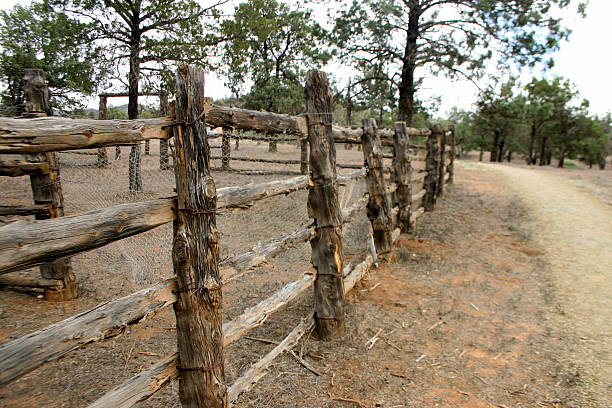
(271,46)
(36,36)
(453,37)
(146,37)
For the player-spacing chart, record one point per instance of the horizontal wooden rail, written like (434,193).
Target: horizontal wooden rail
(29,282)
(146,383)
(17,168)
(25,244)
(49,134)
(418,196)
(34,209)
(112,318)
(248,159)
(109,319)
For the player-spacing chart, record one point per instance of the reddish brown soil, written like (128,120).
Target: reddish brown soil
(464,312)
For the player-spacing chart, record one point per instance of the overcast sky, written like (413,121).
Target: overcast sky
(585,59)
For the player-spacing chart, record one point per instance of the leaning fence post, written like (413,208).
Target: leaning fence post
(103,115)
(195,252)
(303,156)
(431,167)
(47,188)
(402,174)
(441,141)
(323,206)
(451,165)
(379,211)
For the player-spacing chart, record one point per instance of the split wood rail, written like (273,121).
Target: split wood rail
(396,196)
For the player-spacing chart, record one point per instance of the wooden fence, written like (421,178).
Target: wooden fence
(396,196)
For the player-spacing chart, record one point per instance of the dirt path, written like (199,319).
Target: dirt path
(575,230)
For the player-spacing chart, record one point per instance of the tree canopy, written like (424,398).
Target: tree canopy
(271,45)
(36,36)
(452,37)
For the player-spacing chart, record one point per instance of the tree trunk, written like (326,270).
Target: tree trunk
(495,150)
(480,156)
(562,158)
(135,161)
(509,157)
(406,87)
(195,254)
(502,145)
(532,136)
(543,151)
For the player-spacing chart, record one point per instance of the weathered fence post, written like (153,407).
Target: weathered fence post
(379,211)
(431,166)
(273,146)
(225,149)
(441,141)
(47,187)
(402,175)
(195,252)
(323,206)
(102,115)
(303,156)
(451,165)
(164,162)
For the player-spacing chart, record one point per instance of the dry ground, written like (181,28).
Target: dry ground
(471,311)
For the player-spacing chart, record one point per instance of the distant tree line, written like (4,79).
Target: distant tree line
(264,47)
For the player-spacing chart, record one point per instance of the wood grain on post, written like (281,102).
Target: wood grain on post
(379,210)
(304,156)
(102,115)
(195,253)
(47,187)
(431,167)
(402,174)
(451,165)
(441,141)
(324,208)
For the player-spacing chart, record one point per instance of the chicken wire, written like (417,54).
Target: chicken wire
(145,258)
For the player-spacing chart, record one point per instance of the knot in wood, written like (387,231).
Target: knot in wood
(210,189)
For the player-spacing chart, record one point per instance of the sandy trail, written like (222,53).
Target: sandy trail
(575,230)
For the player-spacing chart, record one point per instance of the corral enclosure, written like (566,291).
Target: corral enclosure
(264,253)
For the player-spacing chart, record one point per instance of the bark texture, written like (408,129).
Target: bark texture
(379,209)
(323,207)
(195,253)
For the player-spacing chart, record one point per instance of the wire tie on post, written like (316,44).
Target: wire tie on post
(201,369)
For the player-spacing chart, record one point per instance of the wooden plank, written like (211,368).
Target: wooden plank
(418,196)
(108,319)
(49,134)
(29,282)
(17,168)
(266,122)
(258,370)
(22,210)
(323,206)
(195,252)
(249,159)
